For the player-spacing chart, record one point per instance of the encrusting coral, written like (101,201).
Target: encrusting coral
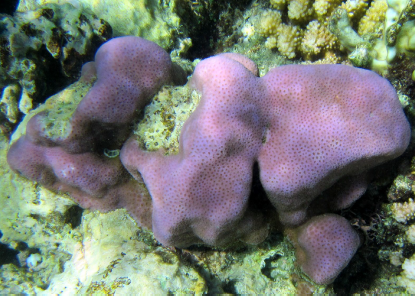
(403,212)
(309,128)
(305,31)
(148,19)
(371,35)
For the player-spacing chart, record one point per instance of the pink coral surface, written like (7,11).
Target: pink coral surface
(129,70)
(308,128)
(324,258)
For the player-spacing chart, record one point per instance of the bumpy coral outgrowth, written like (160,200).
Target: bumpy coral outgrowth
(410,234)
(355,8)
(309,21)
(386,30)
(407,277)
(316,39)
(129,71)
(322,259)
(278,4)
(270,21)
(300,10)
(294,36)
(372,22)
(404,212)
(324,8)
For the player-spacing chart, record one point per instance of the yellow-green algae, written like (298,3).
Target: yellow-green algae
(164,118)
(34,216)
(147,19)
(58,109)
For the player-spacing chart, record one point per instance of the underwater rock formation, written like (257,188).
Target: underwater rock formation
(40,49)
(309,128)
(148,19)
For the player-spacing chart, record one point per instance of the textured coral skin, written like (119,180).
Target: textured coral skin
(308,127)
(324,258)
(201,195)
(129,71)
(325,122)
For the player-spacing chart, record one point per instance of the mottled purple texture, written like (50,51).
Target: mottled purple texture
(324,258)
(309,128)
(129,70)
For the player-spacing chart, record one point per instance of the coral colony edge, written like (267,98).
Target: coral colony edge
(314,133)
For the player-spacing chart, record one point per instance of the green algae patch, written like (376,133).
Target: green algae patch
(164,117)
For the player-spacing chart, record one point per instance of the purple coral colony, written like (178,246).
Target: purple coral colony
(308,128)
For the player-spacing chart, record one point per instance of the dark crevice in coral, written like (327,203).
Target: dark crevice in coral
(8,6)
(229,287)
(55,80)
(351,279)
(51,81)
(378,236)
(73,216)
(408,250)
(267,269)
(189,258)
(147,237)
(259,201)
(166,257)
(8,255)
(42,71)
(22,246)
(194,255)
(400,75)
(208,22)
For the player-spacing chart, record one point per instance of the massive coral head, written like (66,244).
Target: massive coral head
(201,194)
(129,71)
(309,129)
(325,123)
